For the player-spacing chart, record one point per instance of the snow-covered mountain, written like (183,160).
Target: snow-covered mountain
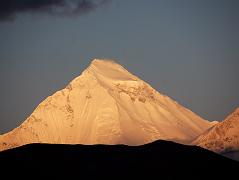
(106,105)
(223,137)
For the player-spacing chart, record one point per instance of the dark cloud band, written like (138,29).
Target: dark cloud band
(10,8)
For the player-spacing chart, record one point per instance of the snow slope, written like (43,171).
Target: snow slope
(223,137)
(106,105)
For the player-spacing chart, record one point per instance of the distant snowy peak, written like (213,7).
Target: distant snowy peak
(111,70)
(106,104)
(107,73)
(114,78)
(223,137)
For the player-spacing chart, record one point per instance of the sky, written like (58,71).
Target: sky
(187,49)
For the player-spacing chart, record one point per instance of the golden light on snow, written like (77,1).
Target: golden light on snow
(106,104)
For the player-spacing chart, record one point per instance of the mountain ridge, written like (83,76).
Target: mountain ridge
(106,104)
(222,138)
(163,159)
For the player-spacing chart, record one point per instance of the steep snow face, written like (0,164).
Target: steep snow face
(106,105)
(223,137)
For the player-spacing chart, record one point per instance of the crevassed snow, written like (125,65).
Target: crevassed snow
(106,104)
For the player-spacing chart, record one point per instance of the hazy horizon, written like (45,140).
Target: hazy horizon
(188,50)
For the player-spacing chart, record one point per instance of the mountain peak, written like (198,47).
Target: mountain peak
(110,70)
(233,117)
(236,111)
(106,104)
(106,73)
(102,61)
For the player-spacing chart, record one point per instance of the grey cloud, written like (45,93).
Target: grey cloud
(9,9)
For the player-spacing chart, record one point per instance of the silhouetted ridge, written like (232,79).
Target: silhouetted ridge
(162,159)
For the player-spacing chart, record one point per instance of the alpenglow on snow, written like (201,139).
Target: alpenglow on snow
(106,104)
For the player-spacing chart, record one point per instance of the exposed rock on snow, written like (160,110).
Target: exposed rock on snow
(223,137)
(106,105)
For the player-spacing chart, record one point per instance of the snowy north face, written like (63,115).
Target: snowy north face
(106,104)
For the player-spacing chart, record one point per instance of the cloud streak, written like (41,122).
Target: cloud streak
(9,9)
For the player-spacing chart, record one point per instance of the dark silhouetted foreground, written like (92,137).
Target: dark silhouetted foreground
(159,160)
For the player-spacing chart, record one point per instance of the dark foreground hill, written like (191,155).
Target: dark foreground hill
(159,160)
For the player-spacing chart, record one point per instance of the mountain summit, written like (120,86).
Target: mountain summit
(106,104)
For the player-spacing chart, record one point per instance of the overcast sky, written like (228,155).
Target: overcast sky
(187,49)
